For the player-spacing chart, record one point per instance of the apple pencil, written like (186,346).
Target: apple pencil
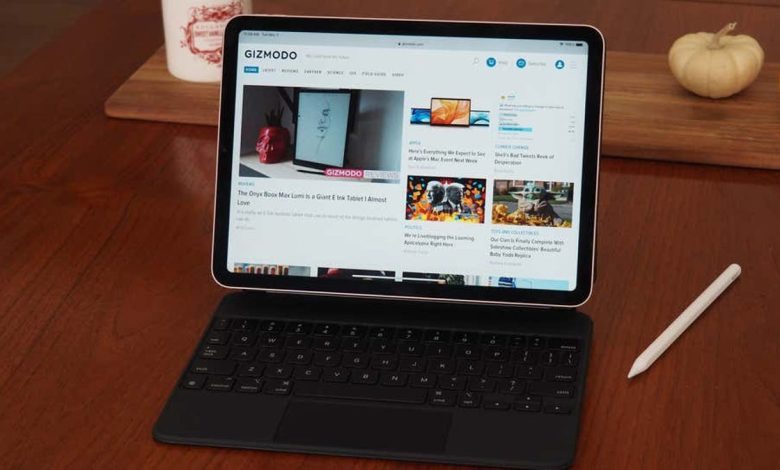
(681,323)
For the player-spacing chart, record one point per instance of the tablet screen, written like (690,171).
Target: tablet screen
(440,161)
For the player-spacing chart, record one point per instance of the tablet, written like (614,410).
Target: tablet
(455,161)
(321,128)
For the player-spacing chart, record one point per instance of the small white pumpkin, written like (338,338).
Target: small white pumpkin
(716,65)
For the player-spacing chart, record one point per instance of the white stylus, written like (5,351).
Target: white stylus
(681,323)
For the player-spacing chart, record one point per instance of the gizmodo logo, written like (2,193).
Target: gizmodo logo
(261,54)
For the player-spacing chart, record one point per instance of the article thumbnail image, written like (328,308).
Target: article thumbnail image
(534,203)
(450,112)
(272,269)
(445,199)
(326,134)
(357,274)
(442,279)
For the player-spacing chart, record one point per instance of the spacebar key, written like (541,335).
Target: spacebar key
(360,392)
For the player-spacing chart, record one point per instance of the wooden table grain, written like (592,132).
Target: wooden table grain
(105,228)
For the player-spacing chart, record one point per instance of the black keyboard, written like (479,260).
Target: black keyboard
(533,374)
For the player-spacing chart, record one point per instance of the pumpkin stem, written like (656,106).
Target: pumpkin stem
(715,42)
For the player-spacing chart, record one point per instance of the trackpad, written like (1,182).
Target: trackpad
(364,427)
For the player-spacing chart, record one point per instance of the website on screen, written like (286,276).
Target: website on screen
(436,160)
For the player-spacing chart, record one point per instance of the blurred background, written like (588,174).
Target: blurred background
(636,25)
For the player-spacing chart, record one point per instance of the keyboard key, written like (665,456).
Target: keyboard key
(353,331)
(410,348)
(548,358)
(531,407)
(536,342)
(469,399)
(297,342)
(213,352)
(193,381)
(299,357)
(243,354)
(382,346)
(270,355)
(361,392)
(423,380)
(496,403)
(442,398)
(279,372)
(441,366)
(452,382)
(557,407)
(326,329)
(464,337)
(354,345)
(511,386)
(494,353)
(206,366)
(307,373)
(382,332)
(409,334)
(221,324)
(525,356)
(409,364)
(528,399)
(299,328)
(217,337)
(567,344)
(278,387)
(249,385)
(327,359)
(468,351)
(500,370)
(250,370)
(393,379)
(471,368)
(528,372)
(356,360)
(270,340)
(335,374)
(272,326)
(438,350)
(517,341)
(219,384)
(551,389)
(493,340)
(560,374)
(385,362)
(366,377)
(244,324)
(244,338)
(326,343)
(570,358)
(436,336)
(481,384)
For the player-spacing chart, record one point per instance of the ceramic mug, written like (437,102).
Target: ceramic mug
(193,36)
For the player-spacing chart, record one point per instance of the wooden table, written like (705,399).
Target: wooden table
(105,228)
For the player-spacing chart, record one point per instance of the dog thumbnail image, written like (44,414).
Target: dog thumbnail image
(445,199)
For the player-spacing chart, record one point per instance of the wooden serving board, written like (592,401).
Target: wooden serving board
(646,113)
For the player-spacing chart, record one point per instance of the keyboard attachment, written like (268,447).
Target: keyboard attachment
(416,367)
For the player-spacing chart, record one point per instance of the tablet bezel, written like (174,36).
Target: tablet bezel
(401,290)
